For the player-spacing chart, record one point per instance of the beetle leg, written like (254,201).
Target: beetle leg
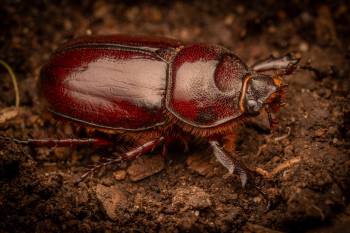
(141,150)
(228,162)
(284,65)
(52,142)
(130,155)
(229,142)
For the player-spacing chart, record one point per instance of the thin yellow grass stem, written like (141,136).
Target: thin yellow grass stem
(14,81)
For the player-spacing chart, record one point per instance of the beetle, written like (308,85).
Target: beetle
(158,89)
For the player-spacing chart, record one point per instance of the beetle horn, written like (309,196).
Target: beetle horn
(283,65)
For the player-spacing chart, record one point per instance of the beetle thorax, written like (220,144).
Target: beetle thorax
(204,86)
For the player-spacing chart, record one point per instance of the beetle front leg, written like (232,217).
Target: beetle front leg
(229,162)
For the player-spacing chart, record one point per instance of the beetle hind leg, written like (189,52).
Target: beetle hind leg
(56,142)
(128,156)
(230,163)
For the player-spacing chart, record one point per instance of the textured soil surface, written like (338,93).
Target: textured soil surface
(188,191)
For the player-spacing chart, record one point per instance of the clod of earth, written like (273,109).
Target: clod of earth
(112,198)
(191,197)
(145,166)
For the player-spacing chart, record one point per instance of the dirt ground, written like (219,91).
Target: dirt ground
(189,191)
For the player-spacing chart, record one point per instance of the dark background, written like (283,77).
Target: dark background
(191,192)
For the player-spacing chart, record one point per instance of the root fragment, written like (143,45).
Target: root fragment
(8,114)
(283,166)
(283,136)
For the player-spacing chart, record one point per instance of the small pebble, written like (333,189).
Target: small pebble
(88,32)
(145,166)
(191,198)
(257,199)
(335,140)
(112,198)
(288,150)
(275,159)
(304,47)
(332,130)
(119,175)
(95,158)
(200,164)
(229,19)
(272,29)
(320,132)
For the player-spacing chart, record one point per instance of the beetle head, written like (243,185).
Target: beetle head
(261,91)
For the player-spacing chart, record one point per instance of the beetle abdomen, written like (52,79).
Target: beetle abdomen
(106,86)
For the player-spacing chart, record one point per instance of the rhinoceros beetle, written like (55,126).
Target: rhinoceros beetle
(158,89)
